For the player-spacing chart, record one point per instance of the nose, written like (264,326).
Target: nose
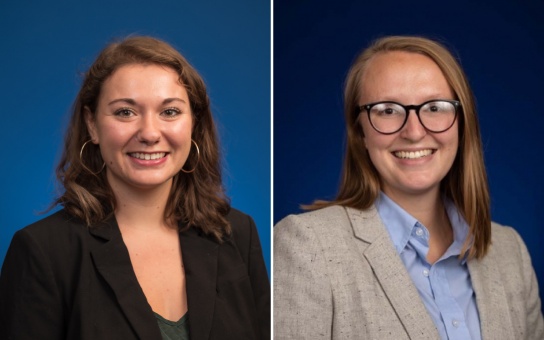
(149,131)
(413,129)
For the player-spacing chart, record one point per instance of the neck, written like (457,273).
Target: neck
(428,208)
(141,208)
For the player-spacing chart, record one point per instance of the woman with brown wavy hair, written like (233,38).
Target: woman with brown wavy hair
(147,245)
(407,250)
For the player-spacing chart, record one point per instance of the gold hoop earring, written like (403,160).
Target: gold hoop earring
(83,164)
(197,160)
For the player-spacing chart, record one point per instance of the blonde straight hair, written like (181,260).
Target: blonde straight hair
(466,182)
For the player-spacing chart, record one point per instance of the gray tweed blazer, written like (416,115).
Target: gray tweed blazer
(337,275)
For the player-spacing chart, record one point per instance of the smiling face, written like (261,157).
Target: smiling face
(413,160)
(143,124)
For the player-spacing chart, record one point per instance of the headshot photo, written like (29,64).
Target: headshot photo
(406,191)
(139,204)
(272,169)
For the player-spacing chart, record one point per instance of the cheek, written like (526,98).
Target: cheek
(112,140)
(450,141)
(373,139)
(455,144)
(378,153)
(180,132)
(112,136)
(376,143)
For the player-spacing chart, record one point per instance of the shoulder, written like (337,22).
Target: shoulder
(506,239)
(509,258)
(242,226)
(52,248)
(328,229)
(244,231)
(334,222)
(57,227)
(508,250)
(315,219)
(56,237)
(238,220)
(56,220)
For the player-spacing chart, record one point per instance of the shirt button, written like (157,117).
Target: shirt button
(455,323)
(425,272)
(419,232)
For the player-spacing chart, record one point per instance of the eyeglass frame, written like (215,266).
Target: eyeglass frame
(408,108)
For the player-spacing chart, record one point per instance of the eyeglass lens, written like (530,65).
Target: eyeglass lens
(436,116)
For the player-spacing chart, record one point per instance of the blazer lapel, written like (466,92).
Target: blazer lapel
(200,262)
(495,319)
(391,273)
(112,261)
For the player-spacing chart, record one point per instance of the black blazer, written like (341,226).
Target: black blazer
(62,280)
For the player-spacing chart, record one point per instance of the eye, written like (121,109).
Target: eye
(387,110)
(438,107)
(124,112)
(171,112)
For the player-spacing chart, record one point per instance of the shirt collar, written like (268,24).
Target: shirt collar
(400,224)
(460,229)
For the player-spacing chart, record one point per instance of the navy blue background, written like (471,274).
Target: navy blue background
(46,45)
(500,45)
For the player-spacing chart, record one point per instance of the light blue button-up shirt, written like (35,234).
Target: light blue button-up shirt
(444,287)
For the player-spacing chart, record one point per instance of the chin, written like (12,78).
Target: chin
(413,188)
(421,189)
(150,183)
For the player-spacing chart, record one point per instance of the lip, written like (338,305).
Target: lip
(136,157)
(414,149)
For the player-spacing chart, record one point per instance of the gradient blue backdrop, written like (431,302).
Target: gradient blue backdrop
(501,46)
(47,44)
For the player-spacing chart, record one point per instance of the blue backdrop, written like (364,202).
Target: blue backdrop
(46,45)
(500,45)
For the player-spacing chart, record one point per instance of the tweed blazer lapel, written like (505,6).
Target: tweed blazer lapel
(378,249)
(495,319)
(112,261)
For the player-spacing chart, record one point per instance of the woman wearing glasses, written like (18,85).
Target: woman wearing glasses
(407,250)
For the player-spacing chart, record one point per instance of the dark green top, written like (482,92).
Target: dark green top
(174,330)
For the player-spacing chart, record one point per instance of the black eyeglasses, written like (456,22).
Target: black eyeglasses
(389,117)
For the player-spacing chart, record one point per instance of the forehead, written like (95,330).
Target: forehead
(142,79)
(396,61)
(138,70)
(397,74)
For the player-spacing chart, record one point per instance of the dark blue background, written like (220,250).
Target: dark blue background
(501,48)
(45,45)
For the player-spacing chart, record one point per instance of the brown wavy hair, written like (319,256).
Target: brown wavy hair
(196,199)
(466,182)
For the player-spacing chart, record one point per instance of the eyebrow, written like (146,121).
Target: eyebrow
(131,101)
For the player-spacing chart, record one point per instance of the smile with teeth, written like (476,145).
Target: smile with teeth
(147,156)
(413,154)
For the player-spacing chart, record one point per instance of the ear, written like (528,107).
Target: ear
(91,124)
